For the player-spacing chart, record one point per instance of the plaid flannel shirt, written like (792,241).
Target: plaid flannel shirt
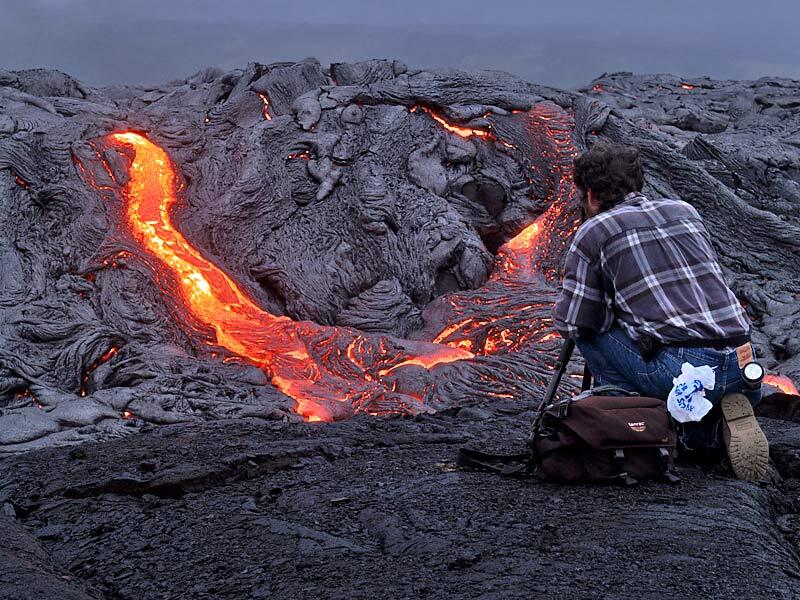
(649,266)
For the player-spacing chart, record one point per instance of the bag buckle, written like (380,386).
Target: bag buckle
(619,461)
(563,408)
(663,456)
(668,475)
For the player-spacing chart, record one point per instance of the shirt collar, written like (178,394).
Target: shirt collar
(633,197)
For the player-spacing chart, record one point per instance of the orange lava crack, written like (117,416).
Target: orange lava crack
(265,107)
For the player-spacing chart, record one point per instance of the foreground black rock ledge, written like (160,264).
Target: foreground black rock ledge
(371,508)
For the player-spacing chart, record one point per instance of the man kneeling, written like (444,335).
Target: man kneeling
(643,293)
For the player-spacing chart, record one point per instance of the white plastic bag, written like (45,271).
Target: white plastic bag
(687,399)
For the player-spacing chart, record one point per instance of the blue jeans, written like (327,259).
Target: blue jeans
(614,359)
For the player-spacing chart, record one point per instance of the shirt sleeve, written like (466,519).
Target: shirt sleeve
(581,301)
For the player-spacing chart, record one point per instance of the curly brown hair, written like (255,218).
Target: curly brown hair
(610,171)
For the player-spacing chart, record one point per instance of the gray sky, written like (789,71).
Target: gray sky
(561,42)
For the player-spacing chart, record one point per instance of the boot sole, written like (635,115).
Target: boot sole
(747,445)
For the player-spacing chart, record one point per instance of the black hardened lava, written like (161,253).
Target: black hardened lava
(399,234)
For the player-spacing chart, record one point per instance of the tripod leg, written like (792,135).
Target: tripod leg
(561,365)
(586,383)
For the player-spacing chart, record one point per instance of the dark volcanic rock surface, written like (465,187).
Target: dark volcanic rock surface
(339,196)
(374,508)
(334,196)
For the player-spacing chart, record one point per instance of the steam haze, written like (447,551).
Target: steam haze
(565,44)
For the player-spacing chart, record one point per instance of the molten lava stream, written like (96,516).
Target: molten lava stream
(783,383)
(323,389)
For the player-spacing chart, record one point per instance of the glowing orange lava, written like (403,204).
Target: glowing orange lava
(265,108)
(303,154)
(686,86)
(464,132)
(783,383)
(327,387)
(88,373)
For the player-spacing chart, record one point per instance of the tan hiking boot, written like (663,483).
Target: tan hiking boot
(747,445)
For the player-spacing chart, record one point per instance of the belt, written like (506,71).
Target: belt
(718,344)
(650,346)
